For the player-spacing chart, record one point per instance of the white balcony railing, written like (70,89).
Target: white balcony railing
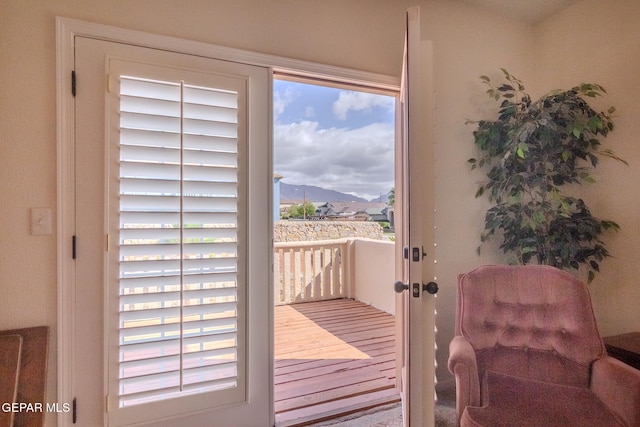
(357,268)
(310,271)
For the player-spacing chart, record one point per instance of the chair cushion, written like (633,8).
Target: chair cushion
(510,401)
(538,365)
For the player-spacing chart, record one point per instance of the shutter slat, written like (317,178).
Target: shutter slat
(149,186)
(157,107)
(151,365)
(171,345)
(152,187)
(151,138)
(209,128)
(212,97)
(191,266)
(226,219)
(211,112)
(149,154)
(171,249)
(154,90)
(221,189)
(147,334)
(210,158)
(141,170)
(204,374)
(169,124)
(174,280)
(160,296)
(172,203)
(131,316)
(214,143)
(160,235)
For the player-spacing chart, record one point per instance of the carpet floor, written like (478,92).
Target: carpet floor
(391,416)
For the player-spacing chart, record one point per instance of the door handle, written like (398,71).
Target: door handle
(399,286)
(431,288)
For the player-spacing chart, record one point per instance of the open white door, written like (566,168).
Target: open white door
(169,294)
(415,305)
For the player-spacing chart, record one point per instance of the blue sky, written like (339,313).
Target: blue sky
(334,138)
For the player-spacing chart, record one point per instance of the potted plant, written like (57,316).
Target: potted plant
(530,153)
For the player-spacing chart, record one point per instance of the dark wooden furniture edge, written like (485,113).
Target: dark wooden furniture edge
(625,347)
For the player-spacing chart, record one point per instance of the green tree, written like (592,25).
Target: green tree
(392,197)
(304,210)
(529,153)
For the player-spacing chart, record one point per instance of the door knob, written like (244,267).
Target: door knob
(399,286)
(431,287)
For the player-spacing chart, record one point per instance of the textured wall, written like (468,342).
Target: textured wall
(296,231)
(601,44)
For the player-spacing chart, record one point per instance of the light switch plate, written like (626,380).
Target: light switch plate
(41,221)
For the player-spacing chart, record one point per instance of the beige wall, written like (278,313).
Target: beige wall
(596,41)
(467,42)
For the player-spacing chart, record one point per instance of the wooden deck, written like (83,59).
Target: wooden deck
(332,358)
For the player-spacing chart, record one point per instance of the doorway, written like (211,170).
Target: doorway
(334,346)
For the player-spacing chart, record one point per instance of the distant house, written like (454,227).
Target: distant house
(359,211)
(377,214)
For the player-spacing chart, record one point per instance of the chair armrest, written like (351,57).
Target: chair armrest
(617,385)
(463,364)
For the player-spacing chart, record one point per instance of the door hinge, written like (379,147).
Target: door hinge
(73,247)
(74,411)
(73,82)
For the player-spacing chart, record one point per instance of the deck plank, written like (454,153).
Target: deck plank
(332,358)
(336,408)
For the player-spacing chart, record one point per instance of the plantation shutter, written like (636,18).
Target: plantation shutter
(179,275)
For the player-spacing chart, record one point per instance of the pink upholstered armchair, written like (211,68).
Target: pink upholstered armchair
(527,352)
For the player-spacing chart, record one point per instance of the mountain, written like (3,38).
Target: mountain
(382,198)
(298,193)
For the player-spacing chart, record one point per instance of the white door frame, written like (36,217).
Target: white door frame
(66,31)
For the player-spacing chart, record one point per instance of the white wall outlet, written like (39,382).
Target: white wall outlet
(41,221)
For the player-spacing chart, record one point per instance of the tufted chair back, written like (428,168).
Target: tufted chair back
(532,322)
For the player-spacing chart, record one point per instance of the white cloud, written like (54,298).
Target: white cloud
(359,101)
(358,161)
(281,100)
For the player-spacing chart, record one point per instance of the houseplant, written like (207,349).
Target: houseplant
(531,153)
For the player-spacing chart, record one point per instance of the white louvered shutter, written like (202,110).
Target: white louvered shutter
(180,276)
